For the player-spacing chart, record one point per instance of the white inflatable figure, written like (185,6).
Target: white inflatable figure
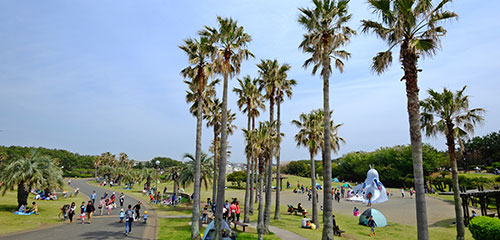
(372,187)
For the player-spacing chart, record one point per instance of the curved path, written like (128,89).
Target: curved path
(102,227)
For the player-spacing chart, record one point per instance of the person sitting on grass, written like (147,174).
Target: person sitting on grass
(371,223)
(34,209)
(306,223)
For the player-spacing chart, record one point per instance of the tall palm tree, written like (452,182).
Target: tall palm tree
(270,72)
(172,174)
(198,71)
(230,41)
(187,173)
(449,113)
(284,88)
(214,119)
(310,135)
(34,171)
(249,100)
(414,26)
(326,33)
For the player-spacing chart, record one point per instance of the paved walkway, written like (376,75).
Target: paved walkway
(102,227)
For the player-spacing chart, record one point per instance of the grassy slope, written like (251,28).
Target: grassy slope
(10,222)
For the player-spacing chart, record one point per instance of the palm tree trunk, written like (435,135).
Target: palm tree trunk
(222,167)
(195,226)
(176,189)
(260,222)
(269,174)
(409,61)
(315,218)
(255,169)
(278,177)
(327,159)
(22,195)
(251,202)
(247,188)
(216,161)
(450,141)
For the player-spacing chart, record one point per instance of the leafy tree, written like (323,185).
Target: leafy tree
(35,171)
(449,113)
(482,150)
(165,162)
(414,26)
(187,173)
(237,177)
(326,33)
(230,41)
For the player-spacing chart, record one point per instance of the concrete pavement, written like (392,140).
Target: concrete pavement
(102,227)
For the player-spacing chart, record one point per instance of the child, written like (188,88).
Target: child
(145,216)
(371,223)
(355,211)
(110,207)
(204,214)
(122,215)
(82,212)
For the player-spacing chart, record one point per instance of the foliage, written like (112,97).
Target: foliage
(483,150)
(186,175)
(63,158)
(301,168)
(394,164)
(237,177)
(165,162)
(485,228)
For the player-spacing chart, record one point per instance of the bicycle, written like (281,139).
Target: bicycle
(63,214)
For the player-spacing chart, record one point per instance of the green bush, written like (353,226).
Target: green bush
(497,179)
(485,228)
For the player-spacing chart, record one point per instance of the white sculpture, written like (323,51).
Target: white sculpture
(371,188)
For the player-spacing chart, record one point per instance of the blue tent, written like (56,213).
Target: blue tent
(318,186)
(377,216)
(335,180)
(210,231)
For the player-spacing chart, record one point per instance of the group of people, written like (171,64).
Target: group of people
(107,202)
(230,212)
(25,209)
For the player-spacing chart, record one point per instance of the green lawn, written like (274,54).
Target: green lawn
(353,230)
(180,229)
(49,210)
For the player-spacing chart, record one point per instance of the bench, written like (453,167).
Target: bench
(337,231)
(240,224)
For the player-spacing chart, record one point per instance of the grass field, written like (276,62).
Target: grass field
(49,210)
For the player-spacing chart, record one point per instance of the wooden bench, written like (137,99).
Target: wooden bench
(337,231)
(240,224)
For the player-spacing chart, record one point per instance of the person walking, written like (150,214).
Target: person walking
(93,197)
(82,212)
(137,209)
(71,212)
(371,223)
(101,205)
(89,210)
(237,211)
(129,219)
(402,193)
(122,200)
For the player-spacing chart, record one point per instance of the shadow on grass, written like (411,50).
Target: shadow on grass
(449,222)
(8,208)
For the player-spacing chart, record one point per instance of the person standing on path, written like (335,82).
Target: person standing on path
(82,212)
(129,219)
(402,193)
(238,211)
(93,197)
(101,205)
(71,212)
(122,200)
(90,210)
(137,209)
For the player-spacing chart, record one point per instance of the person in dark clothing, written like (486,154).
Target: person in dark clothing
(89,210)
(71,212)
(371,223)
(137,209)
(129,219)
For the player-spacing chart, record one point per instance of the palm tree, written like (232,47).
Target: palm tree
(414,26)
(449,113)
(172,174)
(326,33)
(230,41)
(214,119)
(284,88)
(249,100)
(187,174)
(310,135)
(149,174)
(198,71)
(34,171)
(270,72)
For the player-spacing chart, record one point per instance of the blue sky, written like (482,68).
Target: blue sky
(97,76)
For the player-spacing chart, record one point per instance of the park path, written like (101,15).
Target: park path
(281,233)
(102,227)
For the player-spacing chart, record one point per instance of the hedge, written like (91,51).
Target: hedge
(485,228)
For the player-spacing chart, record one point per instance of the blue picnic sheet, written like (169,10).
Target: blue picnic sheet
(23,213)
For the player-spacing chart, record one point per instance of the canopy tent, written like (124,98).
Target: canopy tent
(318,186)
(377,216)
(335,180)
(210,231)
